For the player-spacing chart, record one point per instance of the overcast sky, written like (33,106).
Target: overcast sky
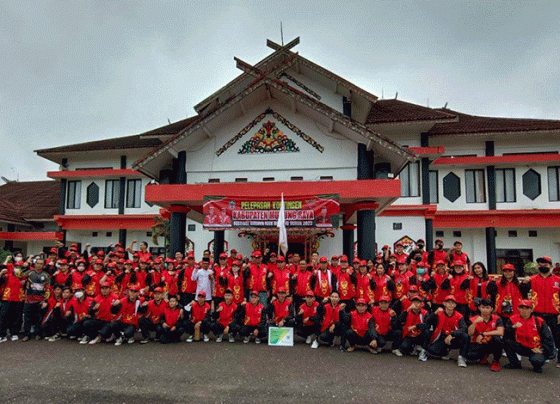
(76,71)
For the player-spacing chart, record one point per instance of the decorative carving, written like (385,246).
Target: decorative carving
(269,139)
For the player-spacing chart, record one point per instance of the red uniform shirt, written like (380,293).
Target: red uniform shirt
(155,310)
(257,278)
(544,294)
(199,312)
(460,294)
(507,293)
(331,315)
(413,318)
(363,288)
(281,310)
(303,282)
(528,334)
(492,325)
(220,274)
(446,325)
(226,315)
(359,323)
(13,286)
(345,285)
(188,285)
(171,316)
(323,286)
(382,320)
(235,283)
(309,311)
(105,303)
(128,313)
(253,314)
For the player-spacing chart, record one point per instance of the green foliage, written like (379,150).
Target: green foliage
(530,268)
(4,254)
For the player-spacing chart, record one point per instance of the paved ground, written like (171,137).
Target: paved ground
(66,372)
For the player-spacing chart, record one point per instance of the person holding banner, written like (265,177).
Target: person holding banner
(252,319)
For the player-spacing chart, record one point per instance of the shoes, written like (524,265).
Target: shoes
(445,358)
(144,340)
(131,340)
(350,349)
(219,338)
(423,356)
(372,350)
(231,338)
(484,361)
(461,362)
(512,366)
(54,338)
(397,352)
(258,341)
(37,338)
(84,340)
(189,338)
(495,366)
(15,337)
(95,340)
(558,364)
(379,350)
(341,348)
(246,340)
(72,337)
(25,339)
(119,341)
(308,340)
(206,338)
(3,339)
(315,344)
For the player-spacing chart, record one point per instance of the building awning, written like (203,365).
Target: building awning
(105,222)
(31,235)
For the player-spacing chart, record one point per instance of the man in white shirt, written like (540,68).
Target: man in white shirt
(204,277)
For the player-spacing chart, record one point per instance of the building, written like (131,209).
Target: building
(355,172)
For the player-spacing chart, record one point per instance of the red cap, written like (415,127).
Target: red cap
(254,292)
(134,288)
(393,256)
(417,297)
(256,253)
(281,258)
(356,261)
(136,255)
(233,251)
(159,289)
(384,298)
(323,259)
(399,244)
(111,265)
(129,262)
(343,258)
(363,263)
(440,262)
(526,303)
(239,257)
(144,260)
(458,242)
(120,249)
(272,254)
(190,254)
(281,289)
(223,255)
(508,267)
(457,263)
(105,285)
(100,253)
(413,288)
(385,247)
(121,261)
(202,293)
(450,297)
(361,301)
(98,262)
(169,260)
(157,260)
(544,259)
(63,262)
(310,293)
(53,251)
(236,263)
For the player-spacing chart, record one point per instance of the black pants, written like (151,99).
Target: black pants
(218,329)
(408,343)
(10,318)
(440,348)
(392,335)
(248,330)
(204,327)
(478,351)
(552,322)
(168,336)
(94,327)
(146,326)
(513,348)
(56,324)
(77,329)
(307,330)
(32,315)
(327,337)
(354,339)
(122,329)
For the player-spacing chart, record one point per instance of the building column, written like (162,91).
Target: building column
(218,244)
(429,224)
(122,196)
(366,233)
(178,226)
(491,249)
(122,237)
(348,240)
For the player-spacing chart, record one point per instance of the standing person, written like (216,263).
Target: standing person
(365,285)
(323,281)
(172,322)
(477,286)
(151,321)
(186,285)
(36,290)
(450,332)
(256,277)
(384,286)
(198,317)
(279,276)
(505,292)
(360,328)
(252,319)
(441,286)
(224,319)
(459,282)
(399,253)
(456,254)
(345,282)
(221,272)
(203,276)
(485,332)
(545,287)
(301,283)
(12,304)
(531,338)
(437,254)
(235,282)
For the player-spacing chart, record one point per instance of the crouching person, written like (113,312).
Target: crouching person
(252,319)
(386,324)
(224,319)
(486,332)
(128,312)
(80,305)
(361,328)
(172,322)
(98,327)
(450,332)
(308,317)
(151,321)
(532,338)
(197,317)
(414,324)
(331,324)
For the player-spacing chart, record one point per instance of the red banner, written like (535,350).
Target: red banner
(311,211)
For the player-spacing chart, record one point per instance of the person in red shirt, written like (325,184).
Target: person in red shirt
(386,326)
(172,322)
(235,282)
(360,328)
(198,317)
(505,292)
(450,332)
(399,253)
(402,280)
(279,275)
(221,272)
(438,285)
(79,305)
(413,323)
(12,299)
(252,319)
(256,277)
(478,283)
(437,254)
(334,266)
(322,282)
(456,254)
(531,338)
(224,319)
(345,281)
(308,318)
(365,285)
(331,322)
(384,286)
(280,311)
(62,275)
(127,311)
(61,318)
(151,321)
(485,332)
(98,327)
(301,283)
(459,282)
(185,284)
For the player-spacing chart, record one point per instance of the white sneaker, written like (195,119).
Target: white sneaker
(257,340)
(119,341)
(246,340)
(423,357)
(231,338)
(3,339)
(54,338)
(219,338)
(206,338)
(15,337)
(379,350)
(397,352)
(131,340)
(189,338)
(95,340)
(308,340)
(315,344)
(461,362)
(84,340)
(445,358)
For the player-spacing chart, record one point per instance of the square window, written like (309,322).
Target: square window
(191,227)
(397,226)
(440,234)
(457,234)
(512,233)
(148,234)
(94,234)
(109,234)
(532,233)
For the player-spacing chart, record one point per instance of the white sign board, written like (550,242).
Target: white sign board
(281,336)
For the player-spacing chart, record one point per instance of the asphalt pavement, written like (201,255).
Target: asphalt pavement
(66,372)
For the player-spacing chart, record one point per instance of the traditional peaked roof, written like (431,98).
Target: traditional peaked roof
(472,124)
(148,139)
(24,202)
(392,111)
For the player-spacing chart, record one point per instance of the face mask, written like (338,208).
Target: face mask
(543,270)
(79,294)
(421,271)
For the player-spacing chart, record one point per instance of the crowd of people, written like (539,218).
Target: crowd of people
(423,303)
